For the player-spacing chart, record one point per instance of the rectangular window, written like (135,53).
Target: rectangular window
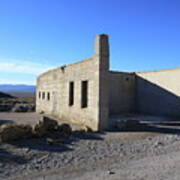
(71,93)
(43,95)
(39,95)
(84,94)
(48,96)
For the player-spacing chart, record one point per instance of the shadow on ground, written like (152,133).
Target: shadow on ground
(40,144)
(162,128)
(7,157)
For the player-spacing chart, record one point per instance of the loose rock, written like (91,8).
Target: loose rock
(13,131)
(44,126)
(65,130)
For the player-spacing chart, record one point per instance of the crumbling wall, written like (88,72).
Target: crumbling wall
(158,92)
(122,92)
(57,83)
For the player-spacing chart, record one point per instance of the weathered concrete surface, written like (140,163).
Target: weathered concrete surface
(122,93)
(102,55)
(157,92)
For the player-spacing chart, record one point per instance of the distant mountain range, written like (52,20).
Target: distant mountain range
(17,88)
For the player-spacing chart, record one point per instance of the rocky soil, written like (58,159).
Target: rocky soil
(100,156)
(131,155)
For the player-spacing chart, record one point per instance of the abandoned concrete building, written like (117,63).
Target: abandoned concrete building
(88,93)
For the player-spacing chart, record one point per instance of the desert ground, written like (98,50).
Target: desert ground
(148,153)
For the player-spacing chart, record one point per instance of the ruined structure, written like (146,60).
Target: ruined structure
(88,93)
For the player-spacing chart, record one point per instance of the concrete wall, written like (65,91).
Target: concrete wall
(109,93)
(158,92)
(122,92)
(56,82)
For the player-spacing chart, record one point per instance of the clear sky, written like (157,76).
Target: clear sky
(36,35)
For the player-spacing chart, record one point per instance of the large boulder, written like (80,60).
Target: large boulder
(45,126)
(64,130)
(13,131)
(59,135)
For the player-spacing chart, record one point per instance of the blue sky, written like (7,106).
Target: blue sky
(36,35)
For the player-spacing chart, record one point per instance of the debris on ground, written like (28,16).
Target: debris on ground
(13,131)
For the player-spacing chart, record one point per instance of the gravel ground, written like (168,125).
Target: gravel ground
(97,156)
(141,156)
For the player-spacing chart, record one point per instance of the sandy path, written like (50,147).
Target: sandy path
(21,118)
